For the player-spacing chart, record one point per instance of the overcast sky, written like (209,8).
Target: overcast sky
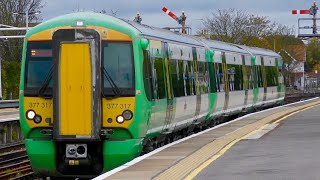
(276,10)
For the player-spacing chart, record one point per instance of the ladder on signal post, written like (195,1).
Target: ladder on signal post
(312,11)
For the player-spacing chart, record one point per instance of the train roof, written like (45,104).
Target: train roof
(88,19)
(223,46)
(134,29)
(261,52)
(164,34)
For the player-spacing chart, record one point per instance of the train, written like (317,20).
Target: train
(97,91)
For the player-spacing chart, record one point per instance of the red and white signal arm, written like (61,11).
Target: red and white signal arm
(304,11)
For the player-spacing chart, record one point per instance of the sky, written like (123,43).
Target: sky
(196,10)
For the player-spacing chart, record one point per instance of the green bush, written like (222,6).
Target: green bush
(10,79)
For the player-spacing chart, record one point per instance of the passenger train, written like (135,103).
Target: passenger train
(97,91)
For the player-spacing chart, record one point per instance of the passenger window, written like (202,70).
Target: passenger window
(147,75)
(235,77)
(259,76)
(219,77)
(249,77)
(271,73)
(158,75)
(192,78)
(212,81)
(203,76)
(174,76)
(186,78)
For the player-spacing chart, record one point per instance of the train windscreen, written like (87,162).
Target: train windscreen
(118,69)
(37,68)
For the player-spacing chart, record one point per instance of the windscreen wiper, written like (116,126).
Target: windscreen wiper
(113,85)
(45,84)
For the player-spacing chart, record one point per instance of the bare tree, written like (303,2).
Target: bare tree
(8,7)
(234,26)
(226,25)
(11,49)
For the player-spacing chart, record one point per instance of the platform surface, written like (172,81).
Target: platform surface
(182,158)
(9,114)
(290,151)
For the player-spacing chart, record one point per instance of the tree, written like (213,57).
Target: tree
(226,25)
(313,54)
(11,49)
(237,26)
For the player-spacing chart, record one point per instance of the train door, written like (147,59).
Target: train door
(264,77)
(197,85)
(170,104)
(148,84)
(278,80)
(76,58)
(246,80)
(226,81)
(158,85)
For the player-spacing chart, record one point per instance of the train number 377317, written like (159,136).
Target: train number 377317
(120,106)
(40,105)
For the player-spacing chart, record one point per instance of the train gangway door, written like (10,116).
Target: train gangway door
(75,89)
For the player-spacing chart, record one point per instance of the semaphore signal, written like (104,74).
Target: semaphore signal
(181,20)
(304,11)
(312,11)
(171,14)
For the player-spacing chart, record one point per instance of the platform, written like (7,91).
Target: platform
(188,157)
(9,114)
(290,151)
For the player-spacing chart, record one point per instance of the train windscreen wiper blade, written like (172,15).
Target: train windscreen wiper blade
(45,84)
(113,85)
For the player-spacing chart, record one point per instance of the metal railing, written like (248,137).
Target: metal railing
(9,104)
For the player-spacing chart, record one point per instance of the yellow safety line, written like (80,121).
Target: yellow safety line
(196,171)
(291,114)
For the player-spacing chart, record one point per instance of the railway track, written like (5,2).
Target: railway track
(14,163)
(294,97)
(11,147)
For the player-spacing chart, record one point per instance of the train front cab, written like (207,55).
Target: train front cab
(78,101)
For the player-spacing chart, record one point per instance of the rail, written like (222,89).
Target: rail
(14,164)
(9,104)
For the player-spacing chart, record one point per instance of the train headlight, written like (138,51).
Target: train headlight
(120,119)
(127,114)
(37,119)
(31,114)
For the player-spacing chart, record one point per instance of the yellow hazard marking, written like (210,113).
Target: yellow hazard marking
(196,171)
(291,114)
(73,162)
